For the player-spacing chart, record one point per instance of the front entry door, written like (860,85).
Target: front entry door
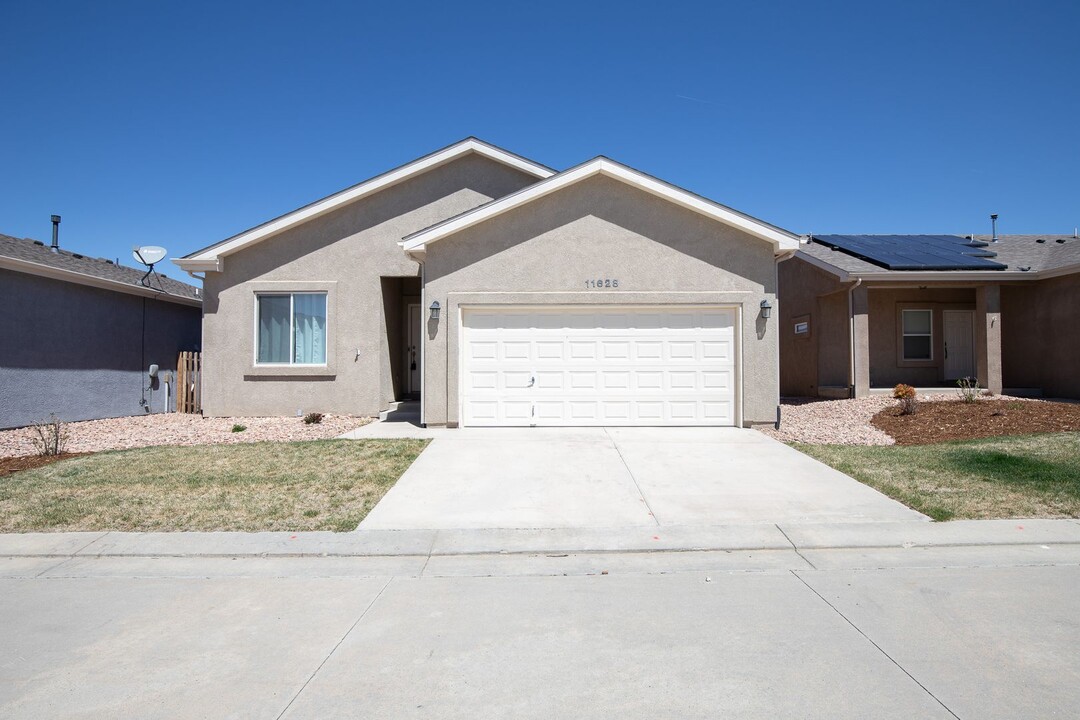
(412,355)
(959,344)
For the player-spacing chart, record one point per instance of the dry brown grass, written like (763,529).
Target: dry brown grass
(303,486)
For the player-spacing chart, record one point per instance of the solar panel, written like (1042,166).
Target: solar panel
(915,252)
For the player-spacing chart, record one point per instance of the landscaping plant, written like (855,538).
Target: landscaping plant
(969,389)
(313,418)
(50,437)
(239,428)
(909,401)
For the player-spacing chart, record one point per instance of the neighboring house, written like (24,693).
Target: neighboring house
(861,312)
(80,333)
(498,292)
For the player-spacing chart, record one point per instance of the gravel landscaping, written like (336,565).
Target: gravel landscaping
(180,429)
(848,422)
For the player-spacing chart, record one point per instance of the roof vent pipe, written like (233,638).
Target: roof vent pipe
(55,233)
(993,223)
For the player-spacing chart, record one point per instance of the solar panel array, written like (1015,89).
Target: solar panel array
(915,252)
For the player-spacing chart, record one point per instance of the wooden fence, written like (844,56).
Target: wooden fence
(189,382)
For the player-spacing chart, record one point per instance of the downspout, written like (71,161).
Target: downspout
(423,336)
(780,257)
(851,334)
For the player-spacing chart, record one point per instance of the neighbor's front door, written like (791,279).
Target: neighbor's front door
(959,344)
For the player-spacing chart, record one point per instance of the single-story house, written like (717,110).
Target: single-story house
(859,313)
(80,334)
(498,291)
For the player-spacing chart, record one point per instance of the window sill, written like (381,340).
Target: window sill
(290,371)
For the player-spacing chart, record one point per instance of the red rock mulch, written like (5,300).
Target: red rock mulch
(9,465)
(936,422)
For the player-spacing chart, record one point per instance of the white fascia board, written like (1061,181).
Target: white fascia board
(780,239)
(356,192)
(55,273)
(192,265)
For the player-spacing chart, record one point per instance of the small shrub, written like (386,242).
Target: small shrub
(313,418)
(909,401)
(50,437)
(969,389)
(239,428)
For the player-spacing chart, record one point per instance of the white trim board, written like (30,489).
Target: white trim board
(211,258)
(782,240)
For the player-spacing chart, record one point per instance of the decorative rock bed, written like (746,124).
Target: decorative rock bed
(180,429)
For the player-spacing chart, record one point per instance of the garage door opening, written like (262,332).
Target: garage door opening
(589,365)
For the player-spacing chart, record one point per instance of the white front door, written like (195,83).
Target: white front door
(587,365)
(959,343)
(412,355)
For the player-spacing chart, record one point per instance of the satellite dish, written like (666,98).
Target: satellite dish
(149,254)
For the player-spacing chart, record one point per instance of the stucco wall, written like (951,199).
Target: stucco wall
(543,253)
(344,253)
(886,367)
(79,352)
(820,357)
(1039,345)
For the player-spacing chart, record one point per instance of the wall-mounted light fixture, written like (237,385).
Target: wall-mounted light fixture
(766,309)
(435,307)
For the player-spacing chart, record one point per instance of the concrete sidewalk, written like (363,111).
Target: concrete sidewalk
(392,543)
(907,620)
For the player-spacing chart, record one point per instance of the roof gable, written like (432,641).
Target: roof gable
(211,258)
(782,240)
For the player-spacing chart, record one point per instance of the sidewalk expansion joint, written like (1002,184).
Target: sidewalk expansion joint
(878,647)
(803,557)
(334,649)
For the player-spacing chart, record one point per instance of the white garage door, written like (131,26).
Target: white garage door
(591,366)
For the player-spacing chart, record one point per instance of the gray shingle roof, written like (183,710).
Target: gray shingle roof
(1015,251)
(37,252)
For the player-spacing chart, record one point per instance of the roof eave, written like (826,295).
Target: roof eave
(364,189)
(781,240)
(55,273)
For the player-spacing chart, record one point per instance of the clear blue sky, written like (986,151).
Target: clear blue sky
(180,124)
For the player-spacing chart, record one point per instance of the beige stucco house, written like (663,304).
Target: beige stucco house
(498,291)
(863,313)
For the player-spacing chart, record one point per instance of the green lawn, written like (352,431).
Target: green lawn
(1021,476)
(320,485)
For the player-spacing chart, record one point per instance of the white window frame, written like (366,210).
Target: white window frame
(292,329)
(905,334)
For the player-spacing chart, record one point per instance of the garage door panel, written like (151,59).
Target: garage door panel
(588,366)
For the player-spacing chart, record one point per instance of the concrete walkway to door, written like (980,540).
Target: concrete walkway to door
(619,477)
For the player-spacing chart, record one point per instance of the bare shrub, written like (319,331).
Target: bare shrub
(49,436)
(969,389)
(909,401)
(313,418)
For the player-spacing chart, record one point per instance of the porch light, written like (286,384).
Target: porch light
(766,309)
(435,307)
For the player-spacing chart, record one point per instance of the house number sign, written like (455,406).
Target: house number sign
(602,283)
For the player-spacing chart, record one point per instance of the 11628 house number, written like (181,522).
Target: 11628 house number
(602,283)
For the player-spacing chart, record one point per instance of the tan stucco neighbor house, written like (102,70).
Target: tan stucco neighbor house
(862,313)
(498,291)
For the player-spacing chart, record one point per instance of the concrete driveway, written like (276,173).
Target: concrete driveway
(620,477)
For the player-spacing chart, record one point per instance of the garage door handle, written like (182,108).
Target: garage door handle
(532,381)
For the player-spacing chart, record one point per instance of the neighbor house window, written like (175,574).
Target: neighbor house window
(918,334)
(291,329)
